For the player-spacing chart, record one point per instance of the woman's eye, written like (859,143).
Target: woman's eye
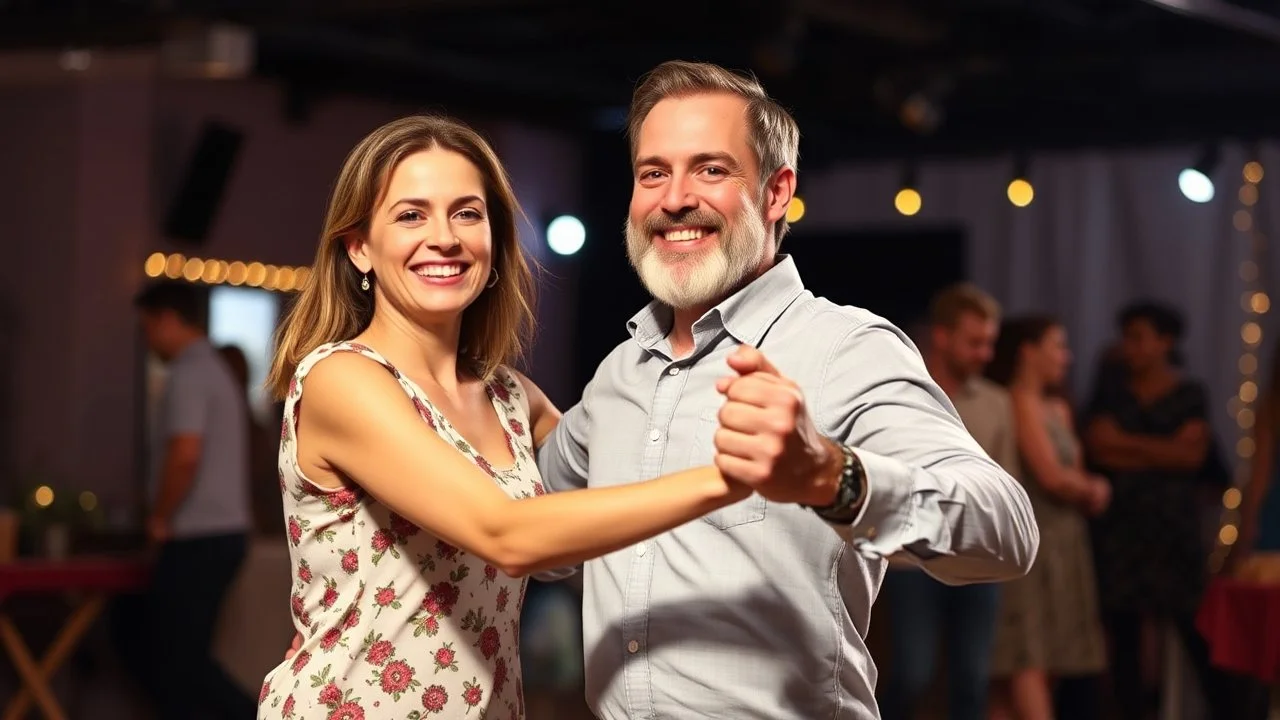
(410,216)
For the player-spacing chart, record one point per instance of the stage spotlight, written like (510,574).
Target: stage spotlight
(1195,182)
(566,235)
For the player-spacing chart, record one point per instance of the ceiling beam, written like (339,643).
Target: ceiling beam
(1226,15)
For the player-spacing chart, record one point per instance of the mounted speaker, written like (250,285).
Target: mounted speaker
(199,194)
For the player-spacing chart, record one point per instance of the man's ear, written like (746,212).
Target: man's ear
(358,251)
(778,192)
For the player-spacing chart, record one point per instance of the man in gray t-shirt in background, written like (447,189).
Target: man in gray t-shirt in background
(924,613)
(198,515)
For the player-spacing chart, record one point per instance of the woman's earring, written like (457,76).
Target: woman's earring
(364,282)
(493,280)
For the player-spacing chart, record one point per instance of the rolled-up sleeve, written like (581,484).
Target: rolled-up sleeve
(934,496)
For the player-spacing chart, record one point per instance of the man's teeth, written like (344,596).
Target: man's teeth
(439,270)
(684,235)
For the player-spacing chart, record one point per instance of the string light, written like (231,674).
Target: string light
(176,266)
(1255,304)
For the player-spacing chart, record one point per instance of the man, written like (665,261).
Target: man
(760,610)
(964,322)
(198,517)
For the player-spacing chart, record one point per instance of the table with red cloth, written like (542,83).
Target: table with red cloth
(92,580)
(1240,620)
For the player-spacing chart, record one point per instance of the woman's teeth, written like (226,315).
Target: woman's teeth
(439,270)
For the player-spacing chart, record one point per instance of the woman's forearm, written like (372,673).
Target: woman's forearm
(566,528)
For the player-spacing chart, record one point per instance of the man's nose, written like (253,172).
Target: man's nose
(678,196)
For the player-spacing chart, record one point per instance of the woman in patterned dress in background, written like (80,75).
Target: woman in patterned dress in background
(1049,626)
(412,502)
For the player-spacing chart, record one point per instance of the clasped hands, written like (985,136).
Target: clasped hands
(767,440)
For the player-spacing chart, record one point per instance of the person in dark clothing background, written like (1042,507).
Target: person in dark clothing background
(1147,430)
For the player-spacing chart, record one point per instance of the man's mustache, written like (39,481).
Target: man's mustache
(663,222)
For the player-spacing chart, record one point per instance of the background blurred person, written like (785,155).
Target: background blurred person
(1049,623)
(963,324)
(1149,433)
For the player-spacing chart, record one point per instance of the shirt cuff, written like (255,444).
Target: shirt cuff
(887,520)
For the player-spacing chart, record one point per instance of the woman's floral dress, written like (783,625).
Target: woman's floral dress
(397,623)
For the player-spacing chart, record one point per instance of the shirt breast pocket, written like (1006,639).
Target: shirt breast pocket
(703,452)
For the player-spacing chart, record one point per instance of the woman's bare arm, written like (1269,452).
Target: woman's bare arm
(382,444)
(1039,456)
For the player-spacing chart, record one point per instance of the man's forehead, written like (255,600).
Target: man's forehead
(969,320)
(694,124)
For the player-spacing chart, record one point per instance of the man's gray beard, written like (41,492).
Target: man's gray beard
(698,279)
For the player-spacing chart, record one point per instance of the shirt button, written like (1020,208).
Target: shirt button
(641,549)
(654,435)
(674,371)
(633,647)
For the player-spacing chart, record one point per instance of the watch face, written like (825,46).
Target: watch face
(843,514)
(849,498)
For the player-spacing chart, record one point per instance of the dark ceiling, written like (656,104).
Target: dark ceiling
(864,77)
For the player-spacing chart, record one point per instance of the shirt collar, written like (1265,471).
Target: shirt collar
(746,315)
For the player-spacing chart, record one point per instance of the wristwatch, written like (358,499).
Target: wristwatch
(850,493)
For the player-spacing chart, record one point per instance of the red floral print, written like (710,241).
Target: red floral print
(472,693)
(347,711)
(350,562)
(331,637)
(445,551)
(489,642)
(380,652)
(330,695)
(446,658)
(300,661)
(435,698)
(397,679)
(330,593)
(402,528)
(499,675)
(516,427)
(441,599)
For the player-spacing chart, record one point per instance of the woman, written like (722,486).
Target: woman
(1149,433)
(413,505)
(1049,625)
(1260,507)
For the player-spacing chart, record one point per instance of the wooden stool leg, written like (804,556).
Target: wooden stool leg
(77,624)
(30,673)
